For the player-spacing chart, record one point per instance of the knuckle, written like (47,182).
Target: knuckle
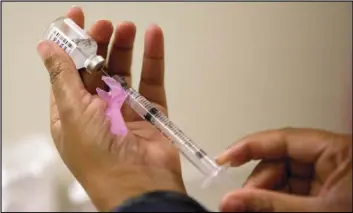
(282,133)
(286,129)
(70,117)
(55,67)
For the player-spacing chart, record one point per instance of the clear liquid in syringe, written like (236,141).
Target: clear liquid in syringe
(188,148)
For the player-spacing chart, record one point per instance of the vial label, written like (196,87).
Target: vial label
(76,28)
(62,40)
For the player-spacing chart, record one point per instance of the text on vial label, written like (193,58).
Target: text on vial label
(62,40)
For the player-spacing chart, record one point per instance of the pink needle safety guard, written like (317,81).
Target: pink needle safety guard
(115,99)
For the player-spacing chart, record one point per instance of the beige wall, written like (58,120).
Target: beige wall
(231,68)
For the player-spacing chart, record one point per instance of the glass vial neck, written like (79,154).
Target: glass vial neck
(94,63)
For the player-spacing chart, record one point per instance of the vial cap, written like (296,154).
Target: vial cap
(95,63)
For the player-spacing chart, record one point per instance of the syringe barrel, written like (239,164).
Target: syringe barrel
(187,147)
(82,49)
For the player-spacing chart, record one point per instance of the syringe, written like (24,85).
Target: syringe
(82,49)
(187,147)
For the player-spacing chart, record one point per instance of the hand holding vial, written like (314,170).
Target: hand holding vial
(78,119)
(82,49)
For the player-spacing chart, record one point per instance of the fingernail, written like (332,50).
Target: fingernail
(220,160)
(232,156)
(42,49)
(40,41)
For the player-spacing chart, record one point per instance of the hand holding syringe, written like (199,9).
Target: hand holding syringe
(82,49)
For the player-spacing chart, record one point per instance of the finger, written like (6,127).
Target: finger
(299,186)
(301,170)
(257,200)
(267,175)
(273,175)
(101,32)
(54,114)
(283,189)
(55,123)
(152,76)
(302,145)
(120,57)
(76,14)
(66,83)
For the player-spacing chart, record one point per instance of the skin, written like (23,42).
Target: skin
(300,170)
(111,168)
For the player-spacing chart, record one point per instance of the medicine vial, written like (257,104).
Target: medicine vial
(76,42)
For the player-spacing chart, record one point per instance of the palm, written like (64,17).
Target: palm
(289,176)
(152,147)
(145,137)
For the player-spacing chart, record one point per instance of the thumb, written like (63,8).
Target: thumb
(257,200)
(67,86)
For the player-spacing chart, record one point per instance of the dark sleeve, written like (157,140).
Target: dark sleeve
(161,201)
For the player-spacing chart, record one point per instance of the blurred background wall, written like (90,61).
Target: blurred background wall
(231,69)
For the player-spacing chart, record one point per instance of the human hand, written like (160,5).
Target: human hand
(300,170)
(111,168)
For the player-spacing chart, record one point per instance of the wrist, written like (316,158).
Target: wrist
(109,190)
